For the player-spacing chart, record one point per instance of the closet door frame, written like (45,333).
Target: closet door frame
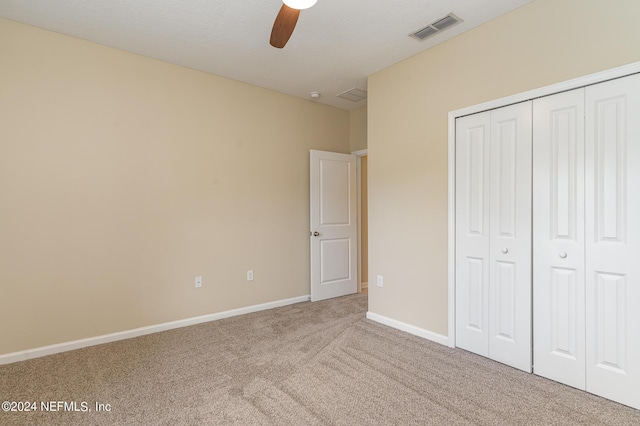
(521,97)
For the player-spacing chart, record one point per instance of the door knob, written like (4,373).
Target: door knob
(316,233)
(562,255)
(505,250)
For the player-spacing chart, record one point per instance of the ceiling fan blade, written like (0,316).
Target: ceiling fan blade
(283,26)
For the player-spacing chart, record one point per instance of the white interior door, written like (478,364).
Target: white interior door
(510,237)
(612,153)
(334,232)
(472,232)
(558,238)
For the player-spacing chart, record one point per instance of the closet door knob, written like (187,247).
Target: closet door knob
(562,255)
(505,250)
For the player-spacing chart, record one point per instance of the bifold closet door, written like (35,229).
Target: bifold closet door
(472,232)
(612,160)
(586,244)
(493,234)
(558,238)
(510,236)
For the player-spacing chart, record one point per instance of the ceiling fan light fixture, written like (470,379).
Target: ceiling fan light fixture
(299,4)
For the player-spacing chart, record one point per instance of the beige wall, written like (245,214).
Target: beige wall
(358,129)
(545,42)
(122,178)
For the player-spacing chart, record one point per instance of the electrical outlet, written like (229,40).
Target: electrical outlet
(250,275)
(380,281)
(198,282)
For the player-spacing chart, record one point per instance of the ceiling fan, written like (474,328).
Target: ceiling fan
(286,21)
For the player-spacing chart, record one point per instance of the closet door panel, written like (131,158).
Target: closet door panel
(510,236)
(612,158)
(472,233)
(558,238)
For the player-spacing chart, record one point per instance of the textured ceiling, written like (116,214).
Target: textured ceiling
(335,46)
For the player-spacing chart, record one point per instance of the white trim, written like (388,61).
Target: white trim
(359,154)
(451,246)
(575,83)
(359,203)
(411,329)
(128,334)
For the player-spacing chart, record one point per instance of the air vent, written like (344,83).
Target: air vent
(445,22)
(436,26)
(425,32)
(354,95)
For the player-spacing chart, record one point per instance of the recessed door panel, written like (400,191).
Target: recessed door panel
(610,319)
(507,146)
(563,149)
(505,298)
(335,255)
(563,332)
(610,167)
(335,206)
(474,145)
(473,318)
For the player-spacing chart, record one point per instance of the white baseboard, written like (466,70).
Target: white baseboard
(364,285)
(411,329)
(128,334)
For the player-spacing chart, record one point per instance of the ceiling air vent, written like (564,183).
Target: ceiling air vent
(436,27)
(354,95)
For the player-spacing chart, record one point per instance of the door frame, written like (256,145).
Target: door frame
(587,80)
(359,154)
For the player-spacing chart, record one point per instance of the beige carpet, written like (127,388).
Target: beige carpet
(304,364)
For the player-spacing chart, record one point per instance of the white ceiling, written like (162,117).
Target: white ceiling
(335,46)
